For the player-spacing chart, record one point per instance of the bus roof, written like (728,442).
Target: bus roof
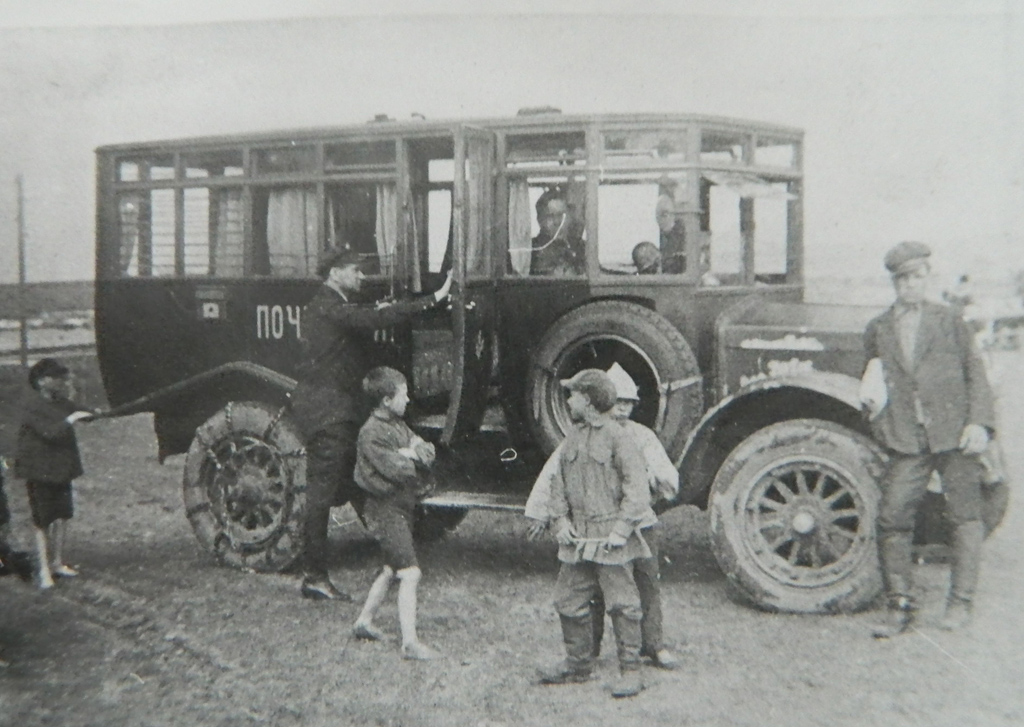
(419,127)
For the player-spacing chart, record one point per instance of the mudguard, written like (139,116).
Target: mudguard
(834,396)
(181,407)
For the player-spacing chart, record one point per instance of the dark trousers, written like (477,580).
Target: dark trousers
(330,462)
(579,583)
(906,482)
(903,490)
(647,576)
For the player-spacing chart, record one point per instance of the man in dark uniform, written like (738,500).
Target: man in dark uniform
(327,402)
(938,416)
(558,249)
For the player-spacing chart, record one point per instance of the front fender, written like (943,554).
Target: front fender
(181,407)
(223,380)
(814,394)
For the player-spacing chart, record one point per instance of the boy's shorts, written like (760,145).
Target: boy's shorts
(50,501)
(392,526)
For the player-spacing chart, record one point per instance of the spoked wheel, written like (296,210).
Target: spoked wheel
(793,517)
(244,487)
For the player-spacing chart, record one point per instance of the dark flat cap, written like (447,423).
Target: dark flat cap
(597,385)
(337,258)
(46,368)
(906,257)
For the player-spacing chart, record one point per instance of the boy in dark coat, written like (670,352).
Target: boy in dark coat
(48,460)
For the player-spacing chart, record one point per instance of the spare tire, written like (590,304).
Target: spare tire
(245,486)
(644,343)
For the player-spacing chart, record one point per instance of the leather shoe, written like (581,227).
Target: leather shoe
(898,617)
(563,673)
(665,659)
(627,685)
(957,616)
(322,589)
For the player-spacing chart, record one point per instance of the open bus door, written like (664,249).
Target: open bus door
(472,295)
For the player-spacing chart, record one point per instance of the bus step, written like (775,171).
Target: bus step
(477,501)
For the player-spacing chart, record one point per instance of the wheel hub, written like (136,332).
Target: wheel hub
(248,491)
(804,522)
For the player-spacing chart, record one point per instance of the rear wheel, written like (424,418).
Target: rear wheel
(650,349)
(244,487)
(793,512)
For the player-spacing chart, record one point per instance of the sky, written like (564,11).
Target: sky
(913,110)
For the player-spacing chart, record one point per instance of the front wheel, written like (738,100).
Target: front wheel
(793,512)
(245,487)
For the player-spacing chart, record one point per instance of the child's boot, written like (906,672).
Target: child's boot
(578,635)
(627,639)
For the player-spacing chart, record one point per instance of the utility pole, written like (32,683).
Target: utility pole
(22,302)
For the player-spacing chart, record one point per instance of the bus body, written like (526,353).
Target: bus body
(207,250)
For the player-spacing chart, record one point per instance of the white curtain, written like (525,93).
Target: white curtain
(228,242)
(291,232)
(387,227)
(520,213)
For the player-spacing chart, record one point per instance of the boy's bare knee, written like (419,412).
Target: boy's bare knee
(387,572)
(411,574)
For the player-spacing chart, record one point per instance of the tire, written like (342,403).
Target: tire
(433,523)
(245,487)
(793,511)
(644,343)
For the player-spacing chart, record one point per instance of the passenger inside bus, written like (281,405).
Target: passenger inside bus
(672,233)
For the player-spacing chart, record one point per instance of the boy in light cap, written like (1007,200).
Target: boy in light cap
(598,501)
(663,482)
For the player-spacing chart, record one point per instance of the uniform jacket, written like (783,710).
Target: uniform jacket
(47,449)
(946,376)
(381,469)
(601,488)
(337,337)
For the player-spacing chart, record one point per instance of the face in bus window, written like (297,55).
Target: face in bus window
(554,218)
(347,279)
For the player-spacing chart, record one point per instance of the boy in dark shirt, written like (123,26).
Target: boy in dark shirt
(388,455)
(48,460)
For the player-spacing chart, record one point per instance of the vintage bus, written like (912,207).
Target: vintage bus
(206,252)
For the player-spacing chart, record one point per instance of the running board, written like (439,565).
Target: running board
(476,501)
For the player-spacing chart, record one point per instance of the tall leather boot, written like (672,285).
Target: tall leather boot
(963,576)
(894,553)
(597,622)
(577,633)
(627,640)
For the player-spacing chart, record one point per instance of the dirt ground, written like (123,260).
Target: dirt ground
(155,633)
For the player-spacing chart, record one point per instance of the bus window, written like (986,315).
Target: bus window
(146,234)
(546,226)
(284,231)
(724,257)
(202,165)
(771,234)
(640,218)
(213,232)
(364,217)
(439,228)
